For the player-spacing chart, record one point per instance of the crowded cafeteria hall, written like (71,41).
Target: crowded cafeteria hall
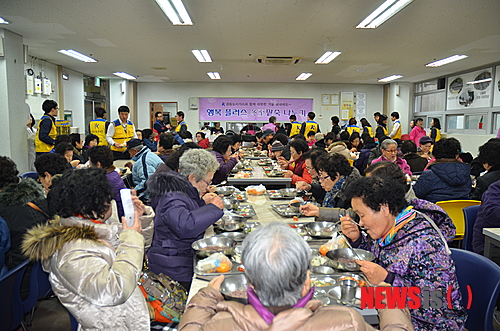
(250,165)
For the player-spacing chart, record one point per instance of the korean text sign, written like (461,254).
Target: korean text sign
(253,109)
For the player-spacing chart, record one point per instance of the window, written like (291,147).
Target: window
(496,122)
(474,122)
(455,122)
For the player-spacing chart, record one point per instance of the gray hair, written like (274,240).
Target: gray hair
(137,148)
(197,162)
(388,142)
(276,260)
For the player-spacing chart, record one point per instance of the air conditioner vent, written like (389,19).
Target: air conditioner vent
(278,60)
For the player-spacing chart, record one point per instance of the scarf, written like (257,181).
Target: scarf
(254,301)
(402,219)
(330,195)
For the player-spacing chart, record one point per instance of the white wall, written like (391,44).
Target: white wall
(400,103)
(74,99)
(35,101)
(180,93)
(13,112)
(117,98)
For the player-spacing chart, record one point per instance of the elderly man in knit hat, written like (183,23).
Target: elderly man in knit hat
(276,149)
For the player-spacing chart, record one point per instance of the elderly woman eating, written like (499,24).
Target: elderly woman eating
(183,212)
(280,295)
(296,167)
(389,150)
(409,250)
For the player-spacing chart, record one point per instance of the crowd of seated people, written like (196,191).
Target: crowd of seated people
(94,259)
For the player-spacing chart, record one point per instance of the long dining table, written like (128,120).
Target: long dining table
(264,215)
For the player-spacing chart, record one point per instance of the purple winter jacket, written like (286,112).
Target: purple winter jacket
(487,216)
(117,184)
(224,169)
(181,218)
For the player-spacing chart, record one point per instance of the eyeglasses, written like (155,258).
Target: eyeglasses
(391,150)
(323,178)
(310,168)
(56,108)
(208,184)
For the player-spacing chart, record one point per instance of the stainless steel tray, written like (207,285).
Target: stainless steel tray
(210,275)
(284,210)
(246,211)
(269,174)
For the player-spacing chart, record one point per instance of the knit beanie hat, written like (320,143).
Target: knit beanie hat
(277,146)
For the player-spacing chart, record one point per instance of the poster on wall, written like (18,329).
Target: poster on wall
(360,105)
(496,87)
(470,90)
(347,104)
(253,109)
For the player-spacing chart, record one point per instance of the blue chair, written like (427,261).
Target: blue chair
(29,174)
(11,307)
(470,214)
(40,288)
(485,288)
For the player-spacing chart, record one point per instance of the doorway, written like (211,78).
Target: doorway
(169,109)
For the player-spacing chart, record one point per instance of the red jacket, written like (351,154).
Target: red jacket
(300,172)
(204,143)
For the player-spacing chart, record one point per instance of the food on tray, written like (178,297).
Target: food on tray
(238,294)
(239,196)
(242,175)
(295,218)
(360,282)
(236,257)
(320,283)
(241,268)
(214,248)
(256,190)
(224,267)
(318,261)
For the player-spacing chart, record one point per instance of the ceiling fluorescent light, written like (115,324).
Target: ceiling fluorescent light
(175,11)
(480,81)
(327,57)
(202,55)
(303,76)
(447,60)
(213,75)
(388,79)
(385,11)
(76,55)
(3,21)
(124,75)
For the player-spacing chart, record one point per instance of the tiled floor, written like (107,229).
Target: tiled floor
(51,315)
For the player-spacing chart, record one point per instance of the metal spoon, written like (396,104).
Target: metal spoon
(351,248)
(224,182)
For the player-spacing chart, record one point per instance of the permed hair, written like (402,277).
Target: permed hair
(276,263)
(333,164)
(221,144)
(446,148)
(378,191)
(299,145)
(197,162)
(9,173)
(84,192)
(390,170)
(101,154)
(490,153)
(51,163)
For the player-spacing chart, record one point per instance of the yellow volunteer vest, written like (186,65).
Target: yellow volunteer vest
(310,126)
(437,133)
(98,127)
(295,128)
(384,128)
(179,126)
(40,146)
(398,132)
(121,135)
(353,128)
(369,130)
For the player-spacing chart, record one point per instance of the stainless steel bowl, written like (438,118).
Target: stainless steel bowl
(289,192)
(230,203)
(322,270)
(321,229)
(226,246)
(250,226)
(236,236)
(234,283)
(344,258)
(232,222)
(226,190)
(322,281)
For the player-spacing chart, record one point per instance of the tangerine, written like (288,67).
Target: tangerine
(323,250)
(224,267)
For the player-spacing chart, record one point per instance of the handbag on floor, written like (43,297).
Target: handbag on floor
(166,298)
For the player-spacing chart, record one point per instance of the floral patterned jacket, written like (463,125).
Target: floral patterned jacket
(417,257)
